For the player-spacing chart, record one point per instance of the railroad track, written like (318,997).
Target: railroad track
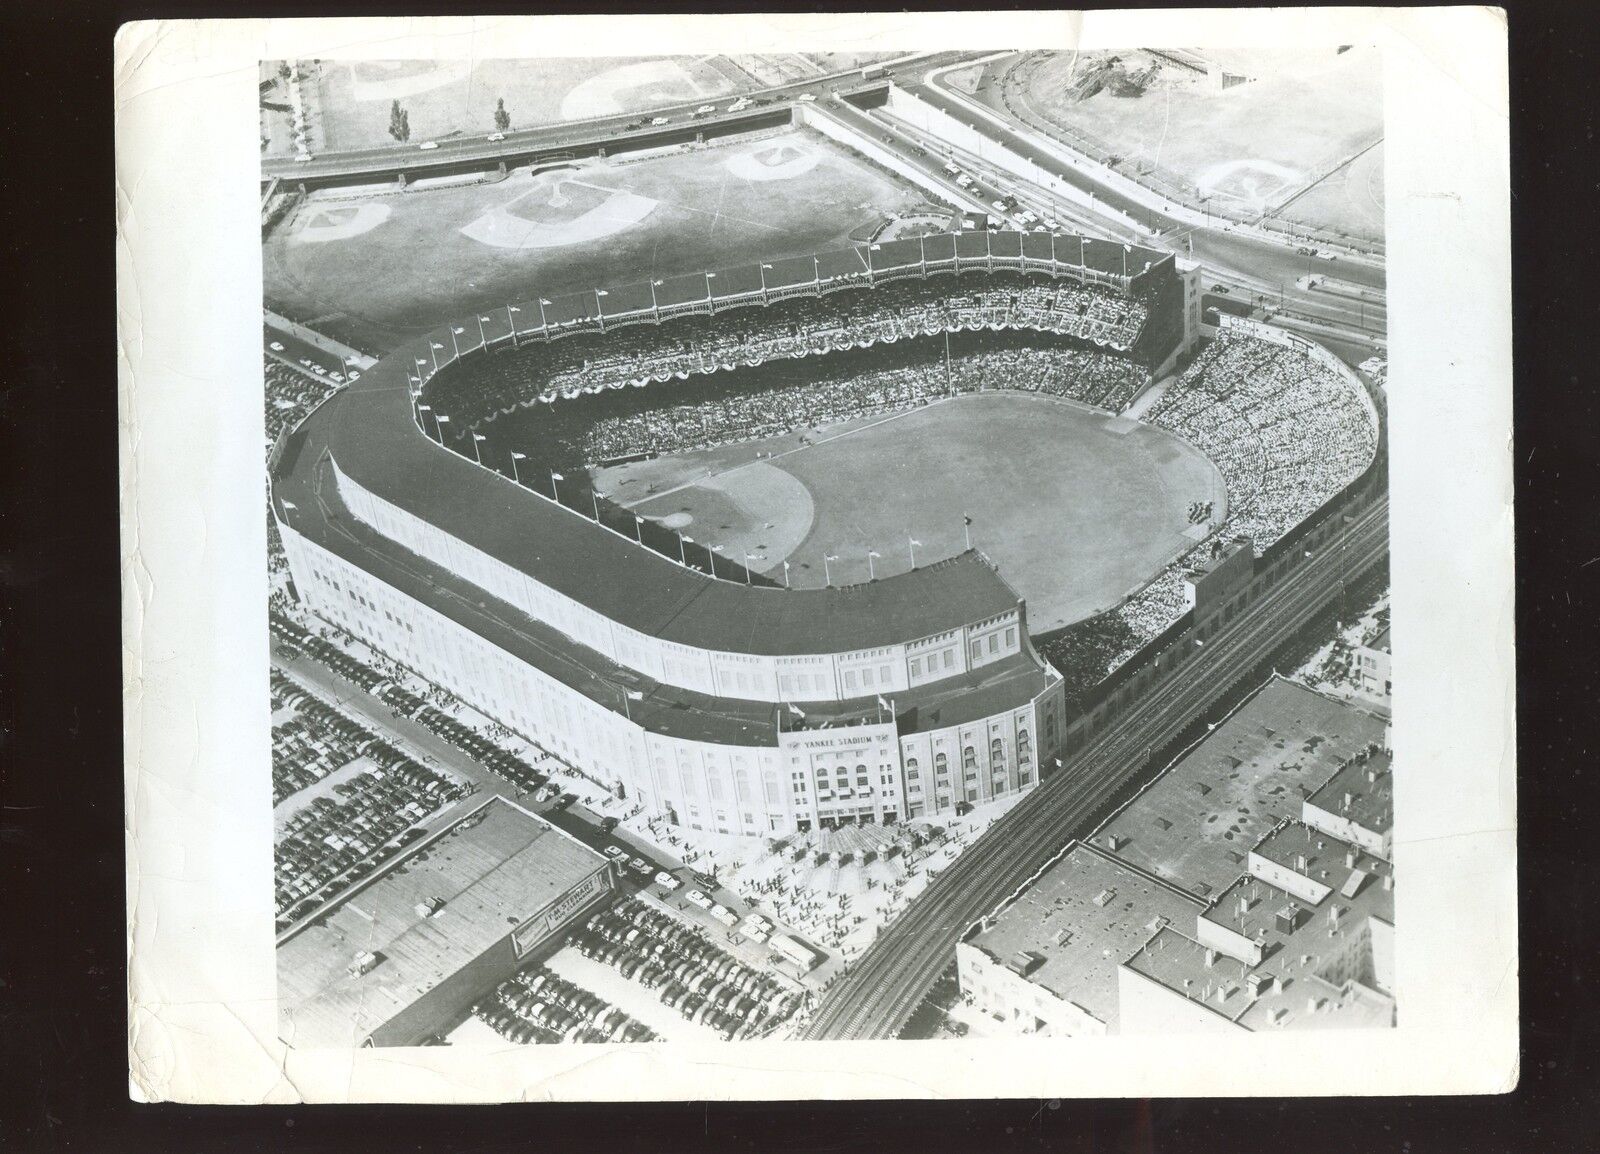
(876,997)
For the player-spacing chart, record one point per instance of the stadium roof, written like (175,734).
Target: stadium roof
(660,708)
(491,875)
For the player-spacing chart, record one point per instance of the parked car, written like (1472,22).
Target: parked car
(696,898)
(666,881)
(724,915)
(615,851)
(496,136)
(640,866)
(428,144)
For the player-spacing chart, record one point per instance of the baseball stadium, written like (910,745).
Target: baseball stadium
(777,547)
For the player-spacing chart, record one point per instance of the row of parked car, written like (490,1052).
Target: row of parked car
(538,1006)
(334,841)
(310,744)
(685,971)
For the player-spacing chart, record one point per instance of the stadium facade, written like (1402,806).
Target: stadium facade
(722,705)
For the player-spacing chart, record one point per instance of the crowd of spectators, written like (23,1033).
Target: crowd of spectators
(536,1006)
(735,337)
(783,396)
(348,831)
(1287,432)
(680,965)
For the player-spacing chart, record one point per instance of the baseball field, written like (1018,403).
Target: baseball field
(1293,122)
(1077,508)
(374,268)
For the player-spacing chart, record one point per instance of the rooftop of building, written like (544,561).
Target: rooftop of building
(1380,643)
(1288,987)
(1362,790)
(493,870)
(1316,966)
(1196,823)
(1080,918)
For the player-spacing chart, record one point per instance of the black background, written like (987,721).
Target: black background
(63,1080)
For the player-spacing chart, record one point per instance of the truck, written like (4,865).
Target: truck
(792,949)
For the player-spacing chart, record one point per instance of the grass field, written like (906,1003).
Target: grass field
(1348,201)
(438,254)
(1077,508)
(1256,143)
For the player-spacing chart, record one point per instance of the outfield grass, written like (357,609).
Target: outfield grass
(1075,507)
(417,268)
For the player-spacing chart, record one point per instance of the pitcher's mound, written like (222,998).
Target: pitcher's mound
(782,161)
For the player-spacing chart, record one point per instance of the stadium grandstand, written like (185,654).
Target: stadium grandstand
(726,702)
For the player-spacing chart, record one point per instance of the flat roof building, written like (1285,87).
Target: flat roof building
(407,954)
(1304,939)
(1356,804)
(1195,825)
(1047,963)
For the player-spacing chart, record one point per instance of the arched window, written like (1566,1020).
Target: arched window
(911,769)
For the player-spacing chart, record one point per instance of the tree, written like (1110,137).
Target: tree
(399,123)
(502,118)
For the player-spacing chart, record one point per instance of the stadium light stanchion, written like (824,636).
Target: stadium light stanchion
(511,309)
(515,474)
(872,572)
(682,560)
(477,453)
(555,494)
(638,528)
(912,543)
(748,557)
(786,574)
(827,573)
(966,528)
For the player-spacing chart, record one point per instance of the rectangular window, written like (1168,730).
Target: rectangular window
(850,680)
(977,651)
(916,667)
(883,674)
(866,678)
(949,658)
(994,643)
(1011,637)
